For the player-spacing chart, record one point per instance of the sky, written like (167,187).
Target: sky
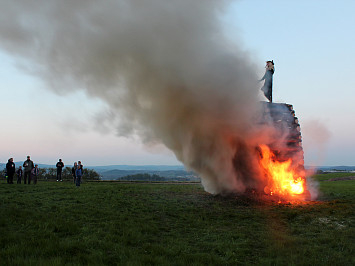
(311,43)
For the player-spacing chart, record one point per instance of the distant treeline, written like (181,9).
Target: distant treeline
(51,173)
(149,177)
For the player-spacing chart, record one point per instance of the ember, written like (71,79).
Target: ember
(282,179)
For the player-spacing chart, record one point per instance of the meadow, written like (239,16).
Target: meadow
(113,223)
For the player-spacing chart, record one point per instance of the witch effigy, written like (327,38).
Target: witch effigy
(267,88)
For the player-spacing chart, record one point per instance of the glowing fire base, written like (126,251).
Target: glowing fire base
(282,180)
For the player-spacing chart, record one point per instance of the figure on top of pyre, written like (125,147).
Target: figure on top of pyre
(267,88)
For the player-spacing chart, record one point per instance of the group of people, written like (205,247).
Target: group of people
(30,171)
(77,172)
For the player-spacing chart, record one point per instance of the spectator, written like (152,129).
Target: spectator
(10,169)
(34,174)
(73,170)
(82,169)
(19,173)
(59,166)
(81,166)
(78,174)
(28,166)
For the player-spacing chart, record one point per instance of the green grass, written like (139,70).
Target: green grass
(323,177)
(171,224)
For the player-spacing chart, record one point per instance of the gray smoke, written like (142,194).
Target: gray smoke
(165,69)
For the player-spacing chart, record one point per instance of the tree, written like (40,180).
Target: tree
(143,177)
(67,174)
(3,173)
(90,174)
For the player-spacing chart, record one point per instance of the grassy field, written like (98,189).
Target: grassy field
(171,224)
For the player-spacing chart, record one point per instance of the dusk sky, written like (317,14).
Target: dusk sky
(311,43)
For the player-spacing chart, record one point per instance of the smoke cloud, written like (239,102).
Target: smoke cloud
(317,136)
(164,68)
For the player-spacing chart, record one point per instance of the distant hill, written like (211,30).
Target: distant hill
(101,169)
(335,168)
(169,174)
(111,172)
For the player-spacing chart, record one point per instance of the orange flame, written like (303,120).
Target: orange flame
(282,179)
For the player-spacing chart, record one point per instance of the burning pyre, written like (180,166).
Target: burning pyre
(281,161)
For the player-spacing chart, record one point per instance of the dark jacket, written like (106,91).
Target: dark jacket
(73,170)
(35,171)
(59,166)
(19,172)
(10,168)
(28,166)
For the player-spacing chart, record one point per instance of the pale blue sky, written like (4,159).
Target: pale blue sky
(311,42)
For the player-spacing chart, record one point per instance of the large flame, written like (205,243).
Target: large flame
(282,179)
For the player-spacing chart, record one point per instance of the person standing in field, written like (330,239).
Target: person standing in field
(59,166)
(81,166)
(78,174)
(34,174)
(82,169)
(73,171)
(28,166)
(10,169)
(19,173)
(267,88)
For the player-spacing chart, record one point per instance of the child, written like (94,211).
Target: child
(34,174)
(19,173)
(73,170)
(78,174)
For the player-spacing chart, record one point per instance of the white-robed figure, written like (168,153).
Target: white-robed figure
(267,88)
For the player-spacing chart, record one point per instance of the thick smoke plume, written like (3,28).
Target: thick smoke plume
(164,68)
